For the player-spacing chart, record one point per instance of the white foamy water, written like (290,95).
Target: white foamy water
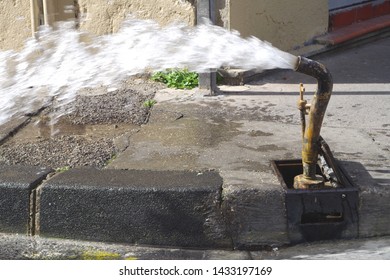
(64,60)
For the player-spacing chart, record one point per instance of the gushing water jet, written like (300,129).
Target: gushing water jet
(62,60)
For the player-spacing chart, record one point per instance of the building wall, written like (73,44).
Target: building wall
(286,24)
(96,16)
(102,16)
(15,23)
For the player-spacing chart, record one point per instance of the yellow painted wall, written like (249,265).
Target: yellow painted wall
(286,24)
(102,16)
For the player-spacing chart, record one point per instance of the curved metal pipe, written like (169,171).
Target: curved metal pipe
(310,143)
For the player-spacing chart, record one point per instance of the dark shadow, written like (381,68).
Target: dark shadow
(256,93)
(361,176)
(364,63)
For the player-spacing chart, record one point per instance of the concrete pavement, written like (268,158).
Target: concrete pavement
(199,173)
(20,247)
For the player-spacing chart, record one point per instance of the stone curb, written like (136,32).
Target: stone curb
(17,184)
(167,208)
(164,208)
(160,208)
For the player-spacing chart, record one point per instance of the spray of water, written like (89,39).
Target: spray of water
(59,62)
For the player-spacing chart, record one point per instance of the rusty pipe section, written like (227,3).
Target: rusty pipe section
(311,137)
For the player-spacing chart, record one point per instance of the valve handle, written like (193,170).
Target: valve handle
(302,106)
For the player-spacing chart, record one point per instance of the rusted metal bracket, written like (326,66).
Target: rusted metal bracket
(318,214)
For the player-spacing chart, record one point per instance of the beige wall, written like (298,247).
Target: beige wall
(286,24)
(106,16)
(15,23)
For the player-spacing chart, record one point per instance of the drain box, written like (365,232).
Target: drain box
(318,214)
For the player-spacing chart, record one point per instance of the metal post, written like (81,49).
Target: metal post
(205,9)
(46,12)
(34,16)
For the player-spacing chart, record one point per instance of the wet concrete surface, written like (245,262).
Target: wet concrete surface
(210,135)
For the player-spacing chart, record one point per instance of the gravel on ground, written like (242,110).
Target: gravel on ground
(96,129)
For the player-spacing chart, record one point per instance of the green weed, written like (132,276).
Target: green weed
(149,103)
(100,255)
(62,169)
(176,78)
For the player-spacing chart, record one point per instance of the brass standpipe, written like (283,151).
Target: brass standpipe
(311,130)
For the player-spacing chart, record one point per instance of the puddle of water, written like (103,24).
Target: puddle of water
(270,147)
(41,129)
(264,148)
(191,132)
(255,133)
(255,166)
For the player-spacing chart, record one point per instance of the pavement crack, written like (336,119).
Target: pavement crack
(33,221)
(225,216)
